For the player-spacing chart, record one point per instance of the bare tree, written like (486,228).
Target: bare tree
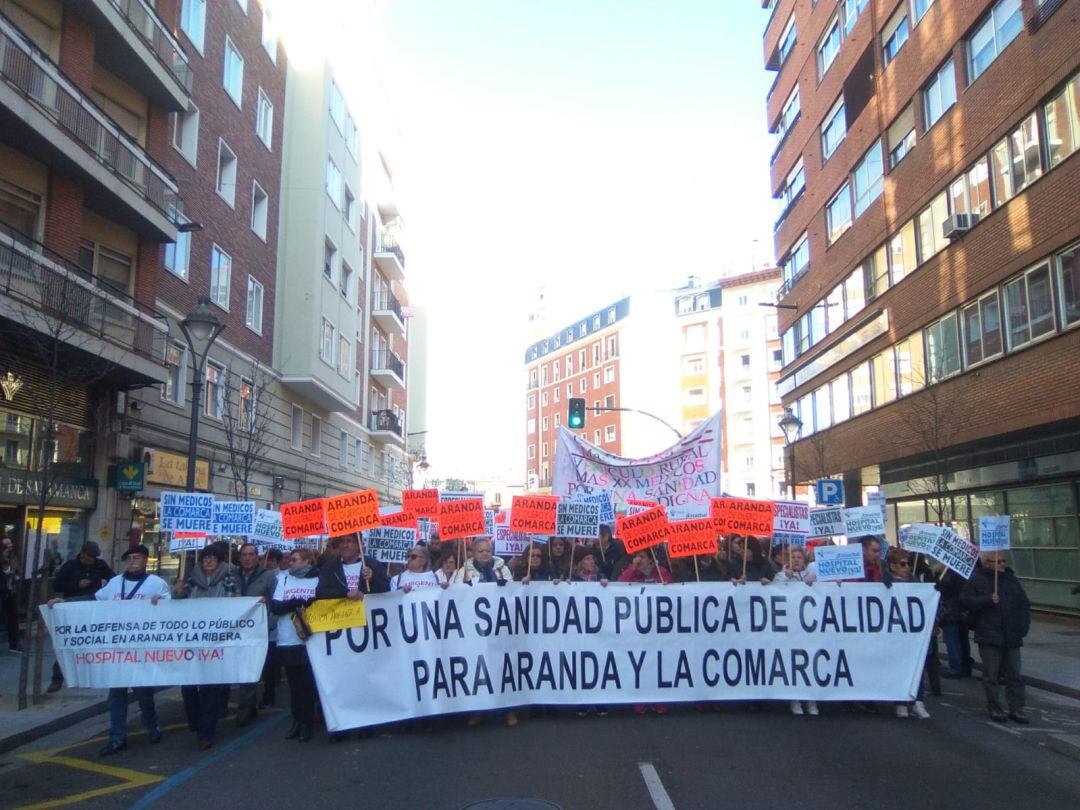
(247,422)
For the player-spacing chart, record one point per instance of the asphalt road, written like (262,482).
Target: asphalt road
(739,756)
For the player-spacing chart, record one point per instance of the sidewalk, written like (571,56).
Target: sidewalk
(1051,656)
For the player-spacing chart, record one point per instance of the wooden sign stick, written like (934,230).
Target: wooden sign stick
(570,570)
(697,574)
(528,571)
(363,564)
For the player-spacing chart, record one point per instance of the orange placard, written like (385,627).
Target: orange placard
(352,512)
(303,518)
(645,529)
(639,502)
(742,516)
(691,537)
(403,518)
(464,518)
(534,514)
(423,502)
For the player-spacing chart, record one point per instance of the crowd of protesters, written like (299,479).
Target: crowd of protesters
(993,604)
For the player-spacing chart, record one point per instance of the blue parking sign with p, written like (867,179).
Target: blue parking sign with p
(830,492)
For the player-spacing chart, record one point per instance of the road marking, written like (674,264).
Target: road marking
(219,754)
(129,779)
(660,798)
(1003,727)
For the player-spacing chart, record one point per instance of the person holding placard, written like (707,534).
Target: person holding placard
(612,553)
(1001,612)
(796,568)
(483,566)
(953,621)
(871,547)
(559,556)
(417,573)
(277,565)
(348,576)
(252,580)
(899,570)
(295,591)
(533,567)
(447,568)
(751,564)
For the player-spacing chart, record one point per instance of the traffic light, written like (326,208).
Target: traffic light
(575,418)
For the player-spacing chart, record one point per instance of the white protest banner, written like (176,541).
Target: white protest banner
(180,542)
(956,552)
(827,521)
(266,530)
(920,537)
(233,517)
(791,517)
(839,562)
(509,544)
(603,499)
(389,544)
(437,651)
(860,521)
(994,532)
(577,519)
(187,511)
(682,478)
(175,642)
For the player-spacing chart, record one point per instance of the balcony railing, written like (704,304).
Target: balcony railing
(62,291)
(31,73)
(145,22)
(387,420)
(386,300)
(387,243)
(386,360)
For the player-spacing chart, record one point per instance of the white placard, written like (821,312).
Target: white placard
(577,519)
(792,517)
(233,518)
(187,511)
(827,521)
(995,532)
(839,562)
(861,521)
(389,544)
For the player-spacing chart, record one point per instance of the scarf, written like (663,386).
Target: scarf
(300,571)
(486,572)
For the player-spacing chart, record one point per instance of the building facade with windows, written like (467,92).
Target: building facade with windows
(929,263)
(729,361)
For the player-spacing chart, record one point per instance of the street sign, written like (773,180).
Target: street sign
(130,476)
(830,492)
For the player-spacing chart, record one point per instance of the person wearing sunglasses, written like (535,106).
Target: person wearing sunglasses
(417,573)
(899,564)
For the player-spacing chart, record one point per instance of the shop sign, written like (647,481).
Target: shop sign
(21,487)
(130,476)
(171,469)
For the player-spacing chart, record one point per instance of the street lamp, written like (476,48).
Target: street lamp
(791,425)
(201,328)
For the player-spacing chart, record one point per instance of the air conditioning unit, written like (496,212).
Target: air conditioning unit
(958,224)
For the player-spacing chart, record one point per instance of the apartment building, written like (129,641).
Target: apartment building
(926,168)
(729,362)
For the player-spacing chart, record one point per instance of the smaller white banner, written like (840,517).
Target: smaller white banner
(994,532)
(389,544)
(577,519)
(233,518)
(839,562)
(266,530)
(187,511)
(792,517)
(509,544)
(860,521)
(827,522)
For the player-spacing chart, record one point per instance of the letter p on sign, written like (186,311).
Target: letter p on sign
(830,492)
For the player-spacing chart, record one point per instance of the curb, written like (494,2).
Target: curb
(51,726)
(1031,680)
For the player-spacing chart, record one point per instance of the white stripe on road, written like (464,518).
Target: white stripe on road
(659,796)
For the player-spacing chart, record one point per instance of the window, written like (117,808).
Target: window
(822,409)
(254,315)
(193,21)
(296,435)
(942,349)
(233,77)
(970,193)
(1005,22)
(694,365)
(583,386)
(596,436)
(226,174)
(859,382)
(316,435)
(829,47)
(834,308)
(333,182)
(796,262)
(569,389)
(555,369)
(787,40)
(841,401)
(744,361)
(264,119)
(901,136)
(329,260)
(903,256)
(556,393)
(1068,269)
(609,374)
(930,222)
(1001,172)
(1063,123)
(178,255)
(343,450)
(215,389)
(919,8)
(867,176)
(531,401)
(326,343)
(596,380)
(269,36)
(1026,155)
(346,280)
(596,353)
(176,364)
(838,213)
(893,36)
(260,206)
(833,130)
(854,292)
(852,9)
(910,369)
(794,184)
(939,95)
(247,404)
(344,357)
(884,371)
(337,107)
(613,346)
(876,269)
(348,208)
(186,133)
(544,399)
(532,452)
(243,5)
(350,135)
(1029,306)
(544,450)
(982,329)
(789,114)
(609,433)
(569,365)
(220,276)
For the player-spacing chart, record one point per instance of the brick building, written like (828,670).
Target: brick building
(927,175)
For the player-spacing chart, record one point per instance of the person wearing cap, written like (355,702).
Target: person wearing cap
(135,583)
(348,576)
(78,580)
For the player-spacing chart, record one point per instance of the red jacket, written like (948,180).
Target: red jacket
(631,574)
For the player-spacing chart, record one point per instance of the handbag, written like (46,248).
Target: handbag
(299,621)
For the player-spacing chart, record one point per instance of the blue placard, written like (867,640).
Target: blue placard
(830,492)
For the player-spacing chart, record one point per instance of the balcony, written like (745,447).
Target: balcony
(45,293)
(386,310)
(389,257)
(47,117)
(134,43)
(386,427)
(388,369)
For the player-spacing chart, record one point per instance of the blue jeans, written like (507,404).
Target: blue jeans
(118,709)
(958,646)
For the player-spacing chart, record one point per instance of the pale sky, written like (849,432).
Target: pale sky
(589,146)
